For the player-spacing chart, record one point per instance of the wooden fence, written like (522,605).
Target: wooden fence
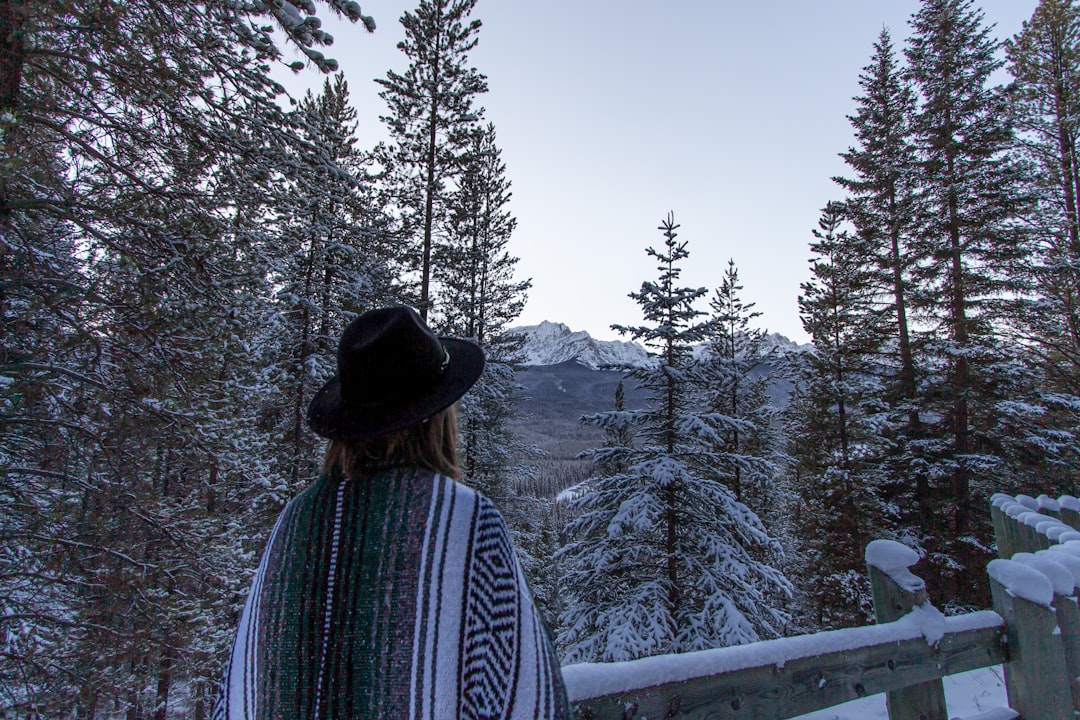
(1033,631)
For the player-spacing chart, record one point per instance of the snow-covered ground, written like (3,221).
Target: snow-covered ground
(967,695)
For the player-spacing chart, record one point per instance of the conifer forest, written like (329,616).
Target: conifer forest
(181,245)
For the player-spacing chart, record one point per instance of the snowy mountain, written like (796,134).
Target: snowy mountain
(553,343)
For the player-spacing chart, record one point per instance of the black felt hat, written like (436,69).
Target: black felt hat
(393,372)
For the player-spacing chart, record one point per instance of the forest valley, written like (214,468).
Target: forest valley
(179,250)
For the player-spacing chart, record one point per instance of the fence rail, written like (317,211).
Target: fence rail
(1033,631)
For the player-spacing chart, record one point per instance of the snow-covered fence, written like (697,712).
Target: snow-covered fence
(1034,585)
(1033,631)
(905,655)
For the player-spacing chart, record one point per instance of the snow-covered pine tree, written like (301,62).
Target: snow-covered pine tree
(116,122)
(1044,60)
(431,121)
(480,298)
(836,426)
(328,262)
(968,243)
(734,350)
(658,558)
(883,208)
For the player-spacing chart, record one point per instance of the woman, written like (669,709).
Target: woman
(388,590)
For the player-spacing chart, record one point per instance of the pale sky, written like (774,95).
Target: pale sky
(610,113)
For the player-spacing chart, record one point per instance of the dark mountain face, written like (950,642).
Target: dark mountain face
(551,403)
(555,397)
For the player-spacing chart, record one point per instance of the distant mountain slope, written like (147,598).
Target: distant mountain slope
(564,379)
(552,343)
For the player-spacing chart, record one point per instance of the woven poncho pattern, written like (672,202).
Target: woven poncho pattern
(394,596)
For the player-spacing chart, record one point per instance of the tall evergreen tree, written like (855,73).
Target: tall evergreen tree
(431,120)
(328,262)
(1044,60)
(840,425)
(734,351)
(884,209)
(123,127)
(480,298)
(969,245)
(658,559)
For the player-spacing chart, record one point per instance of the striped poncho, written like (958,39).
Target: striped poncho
(394,596)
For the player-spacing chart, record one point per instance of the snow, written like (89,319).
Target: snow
(552,343)
(1048,503)
(1022,581)
(894,559)
(1028,502)
(1067,559)
(1059,576)
(588,680)
(1015,510)
(1068,502)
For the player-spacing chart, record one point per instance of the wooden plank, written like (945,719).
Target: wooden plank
(925,701)
(805,684)
(1005,532)
(1035,677)
(1068,618)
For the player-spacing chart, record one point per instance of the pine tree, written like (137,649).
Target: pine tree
(838,427)
(480,299)
(734,352)
(968,245)
(884,209)
(1044,60)
(328,263)
(431,120)
(658,560)
(124,310)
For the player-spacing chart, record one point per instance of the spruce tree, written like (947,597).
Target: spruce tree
(659,558)
(968,245)
(431,121)
(840,425)
(1044,60)
(734,351)
(480,299)
(883,206)
(328,262)
(129,135)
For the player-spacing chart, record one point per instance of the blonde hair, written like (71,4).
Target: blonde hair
(431,444)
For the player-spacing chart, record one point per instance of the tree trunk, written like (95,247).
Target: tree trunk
(161,704)
(429,191)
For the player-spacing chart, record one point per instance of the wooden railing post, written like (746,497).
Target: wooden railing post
(1063,571)
(896,591)
(1035,676)
(1005,531)
(1070,511)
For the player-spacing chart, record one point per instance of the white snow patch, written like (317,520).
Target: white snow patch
(1058,575)
(1048,503)
(590,680)
(1022,581)
(1028,502)
(894,559)
(999,499)
(1070,561)
(1068,502)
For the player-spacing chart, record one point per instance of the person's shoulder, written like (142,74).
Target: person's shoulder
(463,493)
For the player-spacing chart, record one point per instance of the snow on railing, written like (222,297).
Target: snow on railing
(792,676)
(1033,631)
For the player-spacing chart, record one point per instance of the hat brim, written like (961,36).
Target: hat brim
(330,417)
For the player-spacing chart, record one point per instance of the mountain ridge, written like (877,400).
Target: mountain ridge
(554,343)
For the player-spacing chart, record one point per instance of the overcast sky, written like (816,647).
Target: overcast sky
(610,113)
